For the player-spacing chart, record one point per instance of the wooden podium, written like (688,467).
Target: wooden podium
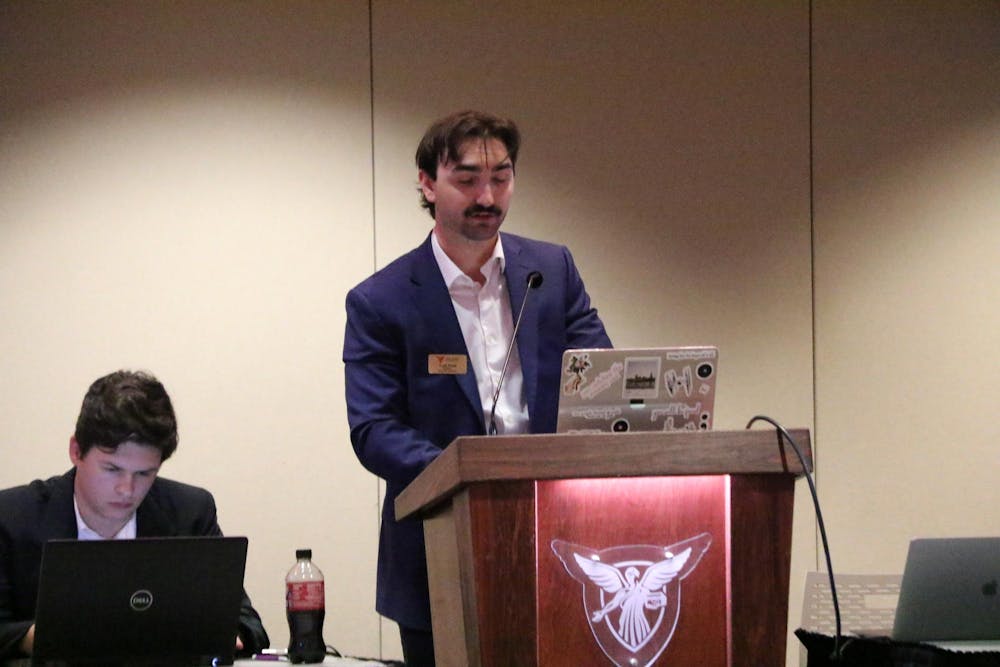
(625,549)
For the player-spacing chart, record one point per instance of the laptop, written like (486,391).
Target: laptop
(637,389)
(148,601)
(949,593)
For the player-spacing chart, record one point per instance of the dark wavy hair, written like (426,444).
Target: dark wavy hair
(443,139)
(127,406)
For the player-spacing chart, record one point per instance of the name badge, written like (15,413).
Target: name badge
(447,364)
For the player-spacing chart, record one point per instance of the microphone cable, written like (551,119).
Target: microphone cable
(837,638)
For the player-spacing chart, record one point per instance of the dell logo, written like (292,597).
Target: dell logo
(990,588)
(141,600)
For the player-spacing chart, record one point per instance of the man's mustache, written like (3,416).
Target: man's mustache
(476,209)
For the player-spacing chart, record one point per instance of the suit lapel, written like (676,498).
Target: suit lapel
(518,266)
(441,323)
(150,519)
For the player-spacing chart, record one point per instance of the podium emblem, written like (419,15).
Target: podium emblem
(632,594)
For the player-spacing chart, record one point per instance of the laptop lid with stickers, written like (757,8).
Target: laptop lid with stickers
(638,389)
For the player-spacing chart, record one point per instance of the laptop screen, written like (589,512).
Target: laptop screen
(950,590)
(145,601)
(637,389)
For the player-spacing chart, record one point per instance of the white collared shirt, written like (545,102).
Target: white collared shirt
(85,532)
(485,316)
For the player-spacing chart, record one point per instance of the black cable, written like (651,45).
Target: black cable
(822,527)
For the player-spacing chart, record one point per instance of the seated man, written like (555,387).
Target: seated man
(126,429)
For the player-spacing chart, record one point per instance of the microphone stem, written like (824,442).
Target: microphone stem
(506,361)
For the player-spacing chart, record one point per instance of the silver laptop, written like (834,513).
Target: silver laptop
(148,601)
(949,591)
(637,389)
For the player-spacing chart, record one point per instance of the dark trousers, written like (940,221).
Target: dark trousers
(418,647)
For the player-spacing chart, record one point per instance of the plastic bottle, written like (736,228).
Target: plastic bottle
(305,605)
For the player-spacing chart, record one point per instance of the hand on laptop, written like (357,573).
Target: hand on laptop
(28,641)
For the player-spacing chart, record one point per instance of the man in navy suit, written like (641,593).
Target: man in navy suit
(125,430)
(427,337)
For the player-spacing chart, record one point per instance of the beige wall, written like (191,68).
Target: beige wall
(186,188)
(907,244)
(192,188)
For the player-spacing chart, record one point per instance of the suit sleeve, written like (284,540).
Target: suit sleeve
(197,516)
(584,327)
(251,631)
(12,629)
(251,628)
(378,394)
(21,541)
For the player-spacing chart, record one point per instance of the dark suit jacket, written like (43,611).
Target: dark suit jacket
(31,515)
(401,416)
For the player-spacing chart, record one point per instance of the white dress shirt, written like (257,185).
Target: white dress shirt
(487,322)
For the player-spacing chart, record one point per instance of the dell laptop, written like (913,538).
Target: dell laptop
(147,601)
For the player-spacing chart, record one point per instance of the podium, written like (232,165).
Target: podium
(616,548)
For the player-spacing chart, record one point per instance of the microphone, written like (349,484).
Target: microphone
(534,282)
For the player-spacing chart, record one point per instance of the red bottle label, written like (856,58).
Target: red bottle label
(304,596)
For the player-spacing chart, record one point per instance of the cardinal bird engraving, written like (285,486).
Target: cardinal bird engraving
(632,594)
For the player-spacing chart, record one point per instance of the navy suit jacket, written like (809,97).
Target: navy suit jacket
(401,416)
(33,514)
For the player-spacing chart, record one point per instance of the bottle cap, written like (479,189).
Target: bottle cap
(303,553)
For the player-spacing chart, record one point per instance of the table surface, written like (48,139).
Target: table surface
(342,662)
(259,662)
